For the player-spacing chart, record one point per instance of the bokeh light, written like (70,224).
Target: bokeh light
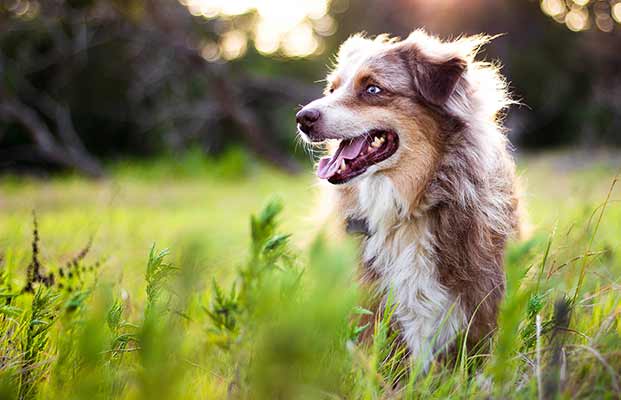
(24,9)
(553,7)
(603,18)
(580,15)
(577,19)
(278,27)
(233,44)
(616,12)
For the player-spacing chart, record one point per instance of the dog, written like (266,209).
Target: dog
(420,164)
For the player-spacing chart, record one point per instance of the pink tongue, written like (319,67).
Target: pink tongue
(348,150)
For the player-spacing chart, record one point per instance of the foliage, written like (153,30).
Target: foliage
(108,79)
(279,322)
(84,81)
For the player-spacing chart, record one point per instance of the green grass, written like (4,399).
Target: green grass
(266,308)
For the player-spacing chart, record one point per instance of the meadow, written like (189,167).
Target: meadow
(195,278)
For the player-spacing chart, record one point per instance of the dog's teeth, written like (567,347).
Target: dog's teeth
(382,139)
(343,165)
(376,144)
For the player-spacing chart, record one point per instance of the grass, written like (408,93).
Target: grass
(266,308)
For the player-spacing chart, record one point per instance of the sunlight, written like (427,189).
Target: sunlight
(576,15)
(233,44)
(577,19)
(616,12)
(300,42)
(292,29)
(553,7)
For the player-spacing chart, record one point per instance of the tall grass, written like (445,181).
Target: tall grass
(286,324)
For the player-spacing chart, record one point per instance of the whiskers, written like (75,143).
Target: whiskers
(314,150)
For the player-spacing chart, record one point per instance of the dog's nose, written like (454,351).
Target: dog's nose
(306,118)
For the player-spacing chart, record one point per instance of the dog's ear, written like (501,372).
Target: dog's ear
(437,81)
(434,80)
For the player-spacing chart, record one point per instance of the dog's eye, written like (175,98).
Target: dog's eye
(331,90)
(372,89)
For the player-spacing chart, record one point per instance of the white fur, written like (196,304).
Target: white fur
(400,248)
(429,316)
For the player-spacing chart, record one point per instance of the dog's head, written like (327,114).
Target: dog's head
(388,104)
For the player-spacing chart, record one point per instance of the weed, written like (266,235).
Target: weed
(282,323)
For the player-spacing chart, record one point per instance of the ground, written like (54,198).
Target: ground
(203,213)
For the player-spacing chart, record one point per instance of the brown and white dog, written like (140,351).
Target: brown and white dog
(422,164)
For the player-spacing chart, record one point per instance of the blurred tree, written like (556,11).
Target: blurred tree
(128,78)
(82,80)
(568,82)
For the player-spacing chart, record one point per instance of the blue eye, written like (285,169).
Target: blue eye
(372,89)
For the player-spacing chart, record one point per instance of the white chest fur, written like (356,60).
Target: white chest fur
(400,251)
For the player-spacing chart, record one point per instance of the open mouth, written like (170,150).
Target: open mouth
(355,156)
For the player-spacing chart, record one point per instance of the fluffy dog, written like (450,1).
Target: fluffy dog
(420,164)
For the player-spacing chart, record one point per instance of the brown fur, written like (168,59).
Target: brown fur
(469,246)
(453,173)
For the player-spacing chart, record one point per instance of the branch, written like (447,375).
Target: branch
(46,143)
(250,126)
(288,88)
(168,32)
(70,142)
(39,133)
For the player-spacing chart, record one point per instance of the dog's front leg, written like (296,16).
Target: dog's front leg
(428,326)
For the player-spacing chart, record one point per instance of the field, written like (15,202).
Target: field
(94,307)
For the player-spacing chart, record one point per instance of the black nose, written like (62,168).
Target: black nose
(306,118)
